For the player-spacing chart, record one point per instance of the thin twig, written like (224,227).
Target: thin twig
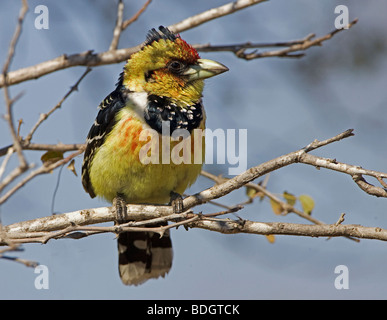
(15,38)
(341,219)
(44,116)
(286,207)
(128,22)
(9,115)
(212,14)
(249,45)
(289,52)
(355,171)
(88,58)
(27,263)
(254,173)
(15,247)
(5,161)
(118,27)
(41,170)
(25,145)
(46,147)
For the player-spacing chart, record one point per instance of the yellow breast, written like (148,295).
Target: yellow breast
(126,162)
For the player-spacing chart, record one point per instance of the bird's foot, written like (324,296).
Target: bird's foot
(176,202)
(121,211)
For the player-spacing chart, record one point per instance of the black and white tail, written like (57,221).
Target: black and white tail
(143,256)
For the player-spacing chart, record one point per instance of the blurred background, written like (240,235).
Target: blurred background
(283,103)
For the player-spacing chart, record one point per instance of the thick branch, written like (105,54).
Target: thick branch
(87,58)
(141,212)
(91,59)
(38,230)
(212,14)
(279,228)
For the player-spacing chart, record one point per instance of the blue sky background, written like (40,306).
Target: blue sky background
(283,103)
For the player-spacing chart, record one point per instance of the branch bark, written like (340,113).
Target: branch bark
(37,230)
(212,14)
(91,59)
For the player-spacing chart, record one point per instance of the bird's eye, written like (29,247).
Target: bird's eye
(176,66)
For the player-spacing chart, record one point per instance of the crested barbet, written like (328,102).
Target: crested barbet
(161,87)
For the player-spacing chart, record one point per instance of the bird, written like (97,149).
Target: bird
(160,87)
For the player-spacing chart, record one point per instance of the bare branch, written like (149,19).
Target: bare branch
(128,22)
(318,144)
(279,228)
(212,14)
(5,161)
(23,232)
(11,247)
(8,116)
(34,230)
(15,38)
(240,49)
(42,170)
(25,144)
(118,27)
(256,172)
(369,188)
(87,58)
(91,59)
(289,52)
(249,45)
(27,263)
(287,208)
(355,171)
(44,116)
(46,147)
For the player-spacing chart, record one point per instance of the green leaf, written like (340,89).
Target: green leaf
(51,157)
(307,203)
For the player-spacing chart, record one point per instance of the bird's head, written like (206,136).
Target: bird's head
(170,67)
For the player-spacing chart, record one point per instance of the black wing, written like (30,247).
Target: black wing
(103,124)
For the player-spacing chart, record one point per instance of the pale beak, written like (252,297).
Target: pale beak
(204,68)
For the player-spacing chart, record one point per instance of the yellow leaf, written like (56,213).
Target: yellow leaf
(270,238)
(251,192)
(307,203)
(290,198)
(51,157)
(71,167)
(276,207)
